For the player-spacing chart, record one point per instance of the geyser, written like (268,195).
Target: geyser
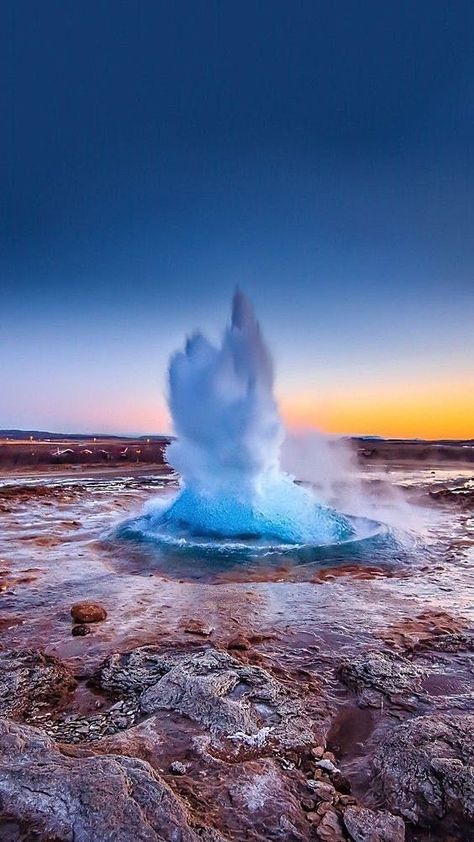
(227,448)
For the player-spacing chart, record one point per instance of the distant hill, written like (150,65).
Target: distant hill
(44,435)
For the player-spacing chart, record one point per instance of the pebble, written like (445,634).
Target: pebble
(325,792)
(80,630)
(178,768)
(327,765)
(198,627)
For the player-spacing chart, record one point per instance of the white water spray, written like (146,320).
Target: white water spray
(228,443)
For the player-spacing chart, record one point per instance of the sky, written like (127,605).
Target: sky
(320,155)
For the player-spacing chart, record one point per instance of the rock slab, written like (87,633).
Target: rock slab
(425,767)
(110,798)
(364,825)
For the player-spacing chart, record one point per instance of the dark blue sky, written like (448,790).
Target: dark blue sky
(155,154)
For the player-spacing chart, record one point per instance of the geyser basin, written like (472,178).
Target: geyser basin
(227,453)
(165,533)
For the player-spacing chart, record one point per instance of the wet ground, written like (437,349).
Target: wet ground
(300,615)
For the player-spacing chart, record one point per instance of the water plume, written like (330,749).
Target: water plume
(227,448)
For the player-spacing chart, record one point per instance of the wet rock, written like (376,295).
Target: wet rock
(88,612)
(132,672)
(429,630)
(80,630)
(89,798)
(378,675)
(241,703)
(425,767)
(198,627)
(31,680)
(265,806)
(239,643)
(250,799)
(365,825)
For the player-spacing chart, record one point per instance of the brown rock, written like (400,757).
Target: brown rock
(323,792)
(88,612)
(308,804)
(345,800)
(198,627)
(330,828)
(341,783)
(373,826)
(239,643)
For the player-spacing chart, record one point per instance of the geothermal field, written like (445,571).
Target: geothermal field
(239,634)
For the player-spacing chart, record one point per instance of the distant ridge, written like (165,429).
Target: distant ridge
(42,435)
(45,435)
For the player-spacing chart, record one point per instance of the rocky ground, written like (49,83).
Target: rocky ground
(255,705)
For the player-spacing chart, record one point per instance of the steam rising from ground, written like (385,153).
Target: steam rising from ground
(227,451)
(331,467)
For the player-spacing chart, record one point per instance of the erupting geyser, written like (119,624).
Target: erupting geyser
(227,449)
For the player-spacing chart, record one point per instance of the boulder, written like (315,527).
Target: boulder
(425,767)
(108,798)
(88,612)
(364,825)
(377,675)
(230,700)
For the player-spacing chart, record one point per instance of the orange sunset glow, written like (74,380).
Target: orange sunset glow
(444,412)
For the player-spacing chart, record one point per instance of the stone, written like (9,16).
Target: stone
(323,792)
(330,828)
(86,798)
(366,825)
(32,680)
(308,804)
(326,766)
(241,704)
(239,643)
(341,783)
(81,630)
(377,675)
(130,673)
(345,800)
(198,627)
(425,767)
(88,612)
(178,768)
